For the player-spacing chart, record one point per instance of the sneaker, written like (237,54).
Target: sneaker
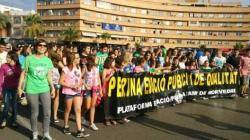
(126,120)
(93,127)
(113,122)
(3,124)
(14,125)
(2,106)
(56,121)
(107,123)
(81,134)
(47,138)
(66,131)
(204,98)
(246,96)
(35,137)
(85,122)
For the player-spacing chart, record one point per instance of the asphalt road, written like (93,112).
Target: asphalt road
(205,119)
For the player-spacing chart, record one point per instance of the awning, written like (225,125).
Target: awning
(119,36)
(89,34)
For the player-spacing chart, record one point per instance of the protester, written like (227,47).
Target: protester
(71,87)
(219,59)
(109,70)
(38,85)
(92,84)
(57,61)
(245,73)
(10,73)
(101,56)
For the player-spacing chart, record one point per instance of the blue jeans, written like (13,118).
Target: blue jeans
(10,99)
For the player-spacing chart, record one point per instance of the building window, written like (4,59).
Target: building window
(167,23)
(179,23)
(143,30)
(143,21)
(17,20)
(191,15)
(238,33)
(103,5)
(133,10)
(178,32)
(221,15)
(113,18)
(87,2)
(239,24)
(210,15)
(144,12)
(180,15)
(239,16)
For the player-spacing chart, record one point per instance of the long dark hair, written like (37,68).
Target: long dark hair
(90,62)
(24,50)
(14,56)
(108,63)
(70,59)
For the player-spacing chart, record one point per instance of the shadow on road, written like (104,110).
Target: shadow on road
(215,124)
(172,128)
(222,107)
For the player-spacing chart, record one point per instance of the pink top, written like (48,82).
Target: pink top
(9,76)
(91,78)
(72,77)
(138,69)
(245,65)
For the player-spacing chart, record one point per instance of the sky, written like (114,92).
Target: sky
(31,4)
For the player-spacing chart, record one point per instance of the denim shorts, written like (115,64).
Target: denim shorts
(90,93)
(87,93)
(246,79)
(57,86)
(72,96)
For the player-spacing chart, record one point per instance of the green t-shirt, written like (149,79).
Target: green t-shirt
(101,59)
(37,70)
(136,54)
(164,52)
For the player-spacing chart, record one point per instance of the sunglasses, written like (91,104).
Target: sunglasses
(44,45)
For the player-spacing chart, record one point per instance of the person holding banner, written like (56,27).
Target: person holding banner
(245,73)
(109,70)
(140,67)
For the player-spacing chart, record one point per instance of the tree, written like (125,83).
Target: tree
(4,21)
(238,46)
(70,34)
(34,26)
(105,36)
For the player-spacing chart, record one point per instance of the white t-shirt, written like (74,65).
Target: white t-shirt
(182,65)
(202,59)
(219,61)
(3,56)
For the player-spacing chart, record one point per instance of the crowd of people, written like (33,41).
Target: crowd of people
(81,74)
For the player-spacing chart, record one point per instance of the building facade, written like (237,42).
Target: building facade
(178,23)
(17,21)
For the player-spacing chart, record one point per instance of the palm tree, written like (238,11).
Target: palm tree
(70,34)
(34,26)
(4,21)
(105,36)
(238,46)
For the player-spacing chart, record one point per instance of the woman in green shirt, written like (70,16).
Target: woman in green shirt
(38,85)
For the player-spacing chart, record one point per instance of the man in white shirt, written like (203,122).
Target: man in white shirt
(3,53)
(204,58)
(219,59)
